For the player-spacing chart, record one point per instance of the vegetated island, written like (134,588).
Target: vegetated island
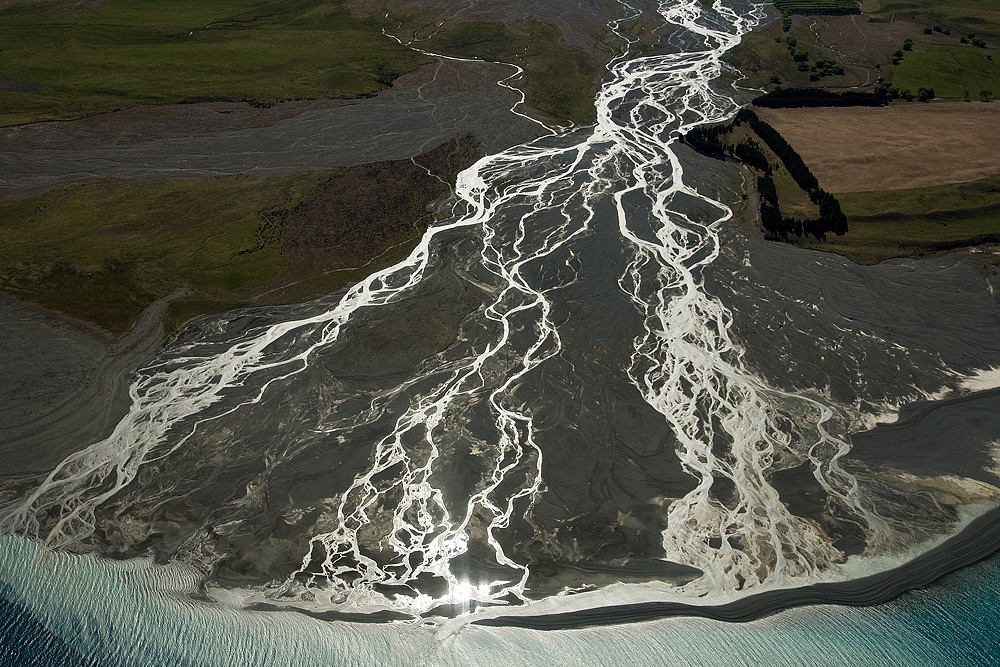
(876,136)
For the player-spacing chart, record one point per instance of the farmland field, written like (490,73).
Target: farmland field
(855,149)
(951,71)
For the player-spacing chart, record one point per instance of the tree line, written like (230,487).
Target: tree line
(782,98)
(711,140)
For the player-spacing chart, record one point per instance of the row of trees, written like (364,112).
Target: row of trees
(748,151)
(831,218)
(888,93)
(711,140)
(708,139)
(976,41)
(793,162)
(965,39)
(824,68)
(779,226)
(781,98)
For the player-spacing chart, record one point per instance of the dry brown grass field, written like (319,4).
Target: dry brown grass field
(854,149)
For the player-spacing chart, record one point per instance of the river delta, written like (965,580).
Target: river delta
(590,404)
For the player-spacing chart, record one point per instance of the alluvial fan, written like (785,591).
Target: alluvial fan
(542,398)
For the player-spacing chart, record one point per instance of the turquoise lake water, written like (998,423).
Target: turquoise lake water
(59,609)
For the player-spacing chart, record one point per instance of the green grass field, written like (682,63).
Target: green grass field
(918,221)
(872,6)
(60,63)
(950,71)
(939,59)
(981,17)
(935,201)
(67,63)
(103,250)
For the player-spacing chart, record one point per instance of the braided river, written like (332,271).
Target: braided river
(590,406)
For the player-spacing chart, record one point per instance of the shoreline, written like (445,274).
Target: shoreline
(978,540)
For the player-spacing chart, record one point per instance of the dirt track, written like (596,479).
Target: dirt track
(857,149)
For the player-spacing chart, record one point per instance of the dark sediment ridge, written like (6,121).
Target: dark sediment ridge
(978,540)
(341,616)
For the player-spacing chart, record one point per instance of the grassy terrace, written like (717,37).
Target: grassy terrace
(104,249)
(914,222)
(940,8)
(945,46)
(951,71)
(60,62)
(953,46)
(818,6)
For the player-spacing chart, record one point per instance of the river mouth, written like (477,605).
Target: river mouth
(585,376)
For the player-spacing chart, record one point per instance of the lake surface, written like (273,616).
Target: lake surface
(91,612)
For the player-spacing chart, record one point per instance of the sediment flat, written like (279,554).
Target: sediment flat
(978,540)
(423,109)
(63,388)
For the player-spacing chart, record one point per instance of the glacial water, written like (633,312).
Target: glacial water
(67,610)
